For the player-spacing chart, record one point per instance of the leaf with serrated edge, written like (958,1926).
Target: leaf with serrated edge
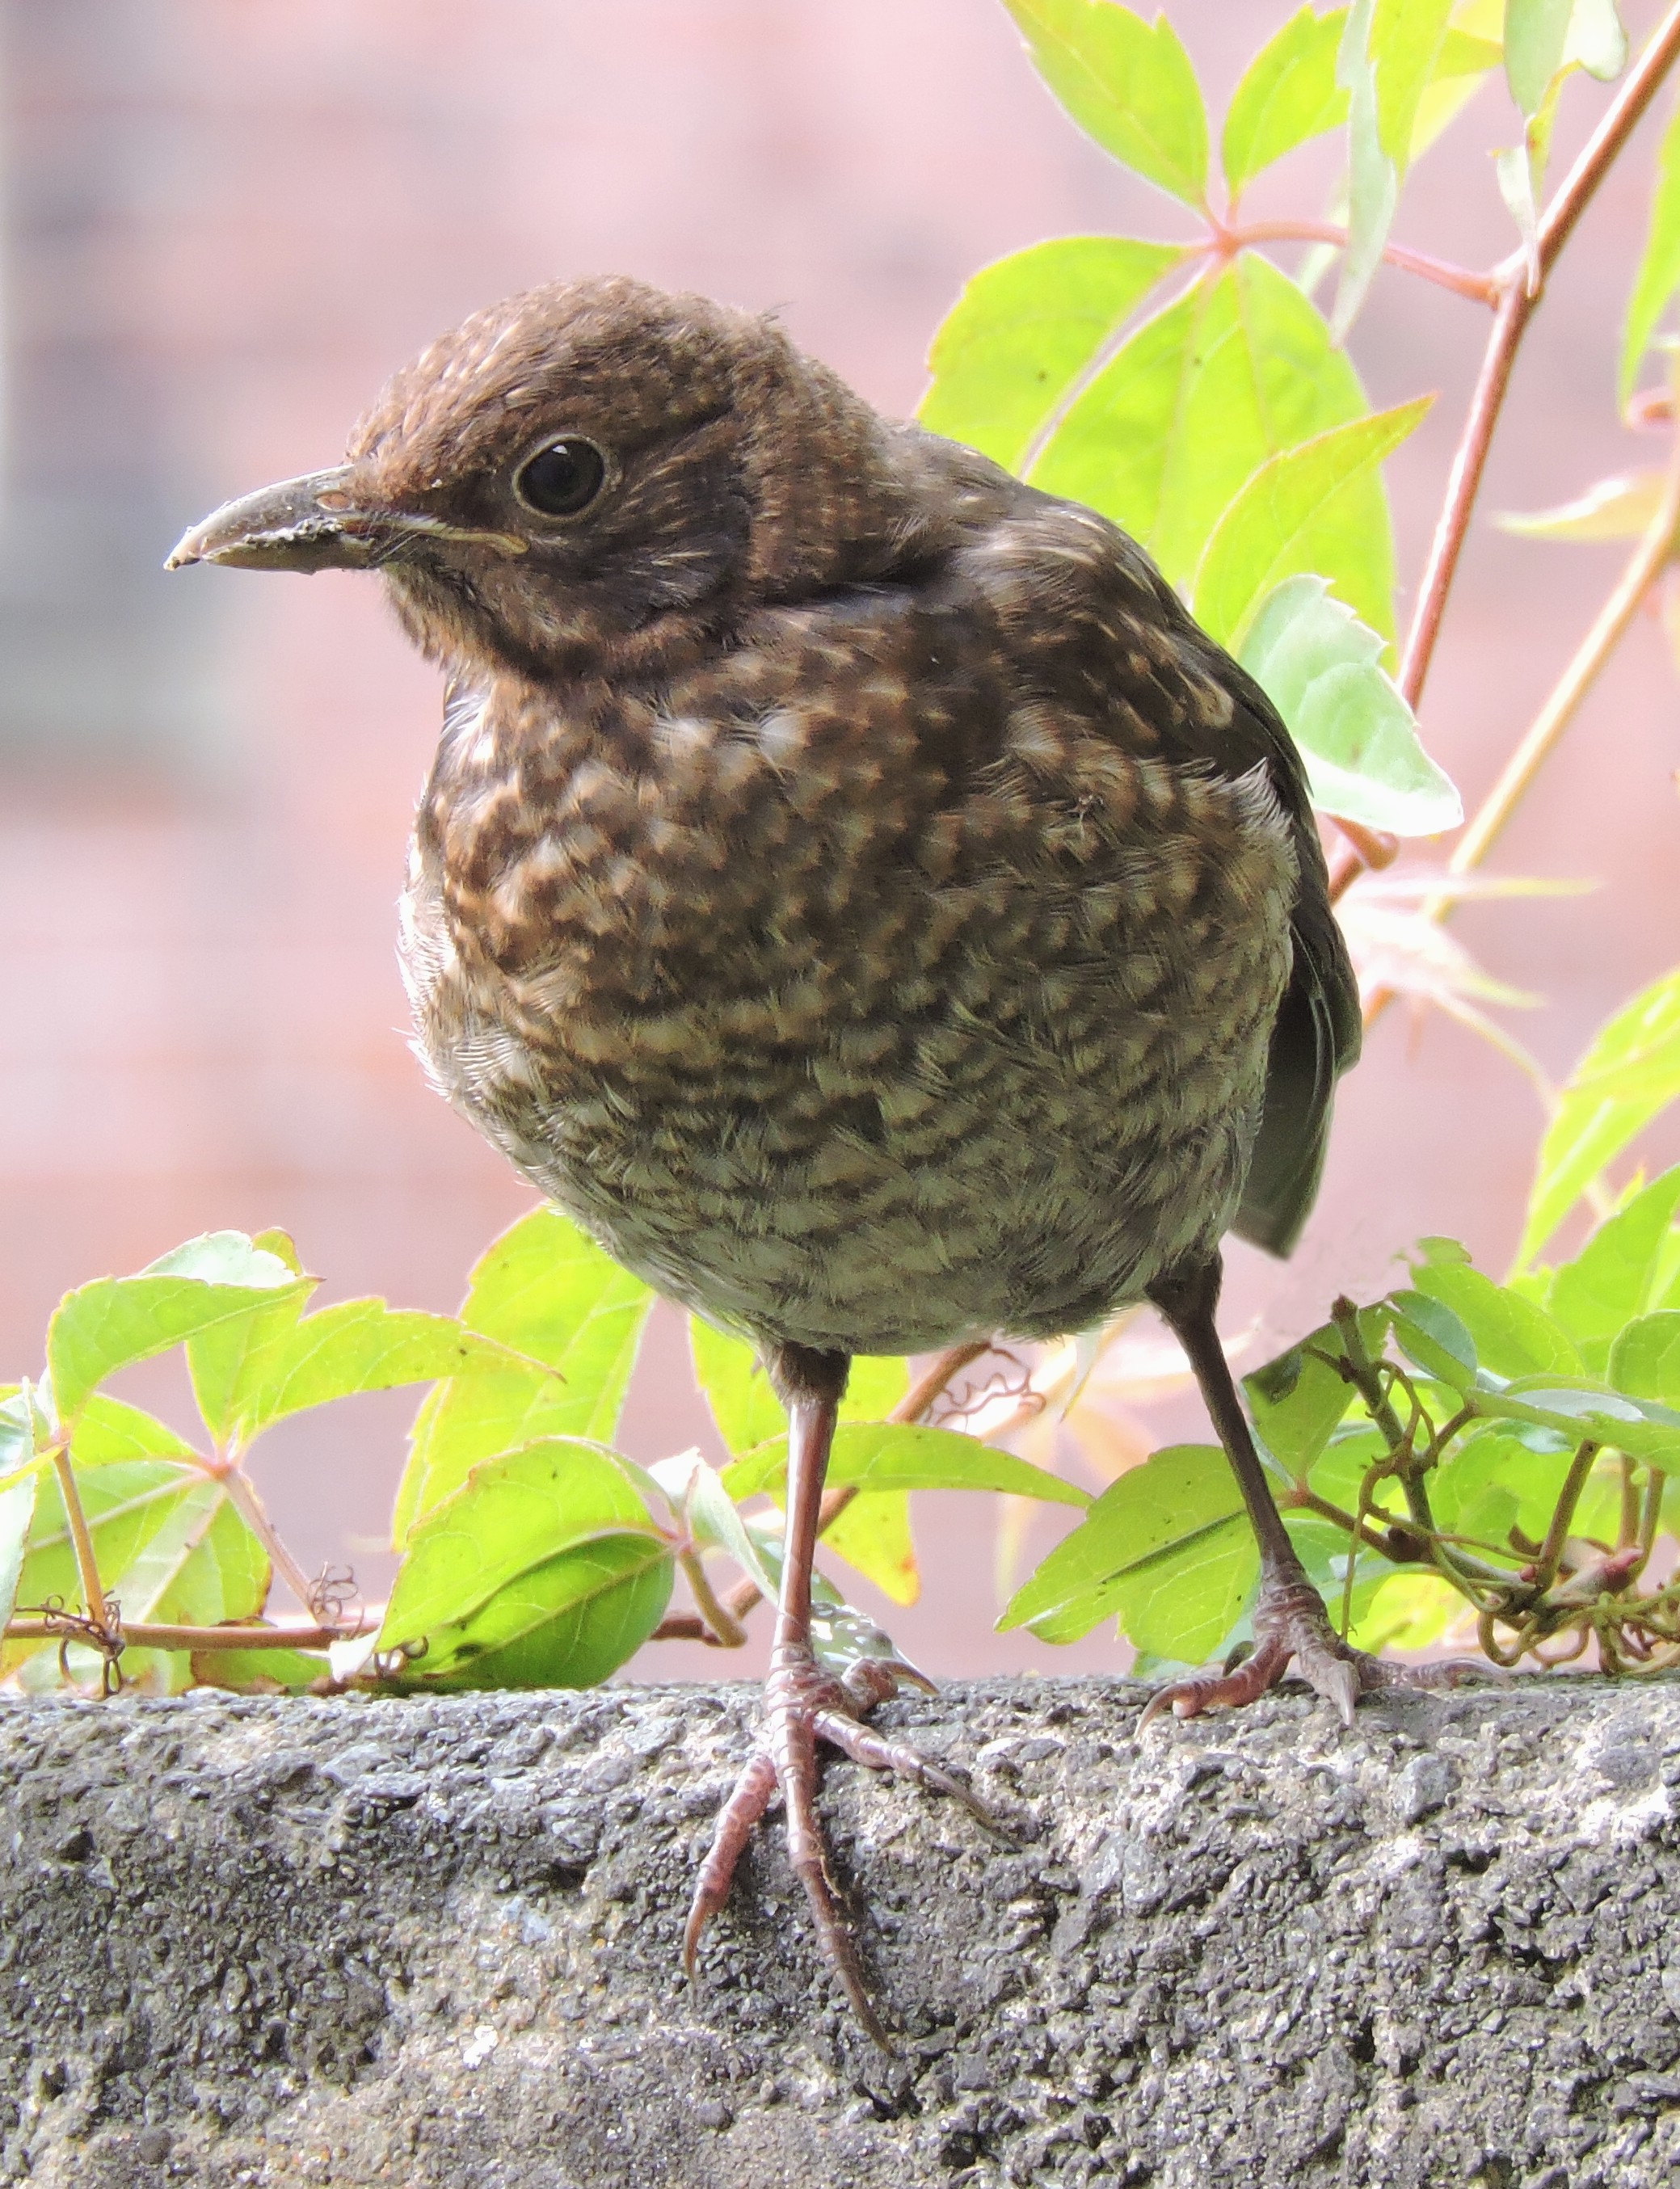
(889,1456)
(1320,668)
(1024,331)
(1645,1359)
(1618,1273)
(1128,83)
(1199,395)
(1630,1074)
(1178,1495)
(545,1290)
(510,1515)
(1512,1335)
(569,1622)
(114,1321)
(110,1430)
(1288,95)
(1290,518)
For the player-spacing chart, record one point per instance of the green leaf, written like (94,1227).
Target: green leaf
(1659,273)
(1642,1427)
(1544,38)
(1629,1074)
(357,1345)
(1430,1334)
(1024,332)
(1509,1335)
(1237,369)
(1172,1528)
(895,1455)
(545,1290)
(1296,514)
(873,1535)
(1464,61)
(1390,55)
(1618,1273)
(1492,1481)
(1128,83)
(17,1511)
(1288,95)
(259,1672)
(514,1517)
(110,1430)
(1298,1402)
(1407,1611)
(1320,668)
(741,1398)
(114,1321)
(127,1505)
(25,1431)
(542,1570)
(1645,1359)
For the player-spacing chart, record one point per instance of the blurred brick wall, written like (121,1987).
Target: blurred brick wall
(204,1020)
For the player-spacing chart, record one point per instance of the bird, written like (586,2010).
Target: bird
(851,885)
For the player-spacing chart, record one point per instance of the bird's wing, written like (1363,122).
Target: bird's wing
(1318,1031)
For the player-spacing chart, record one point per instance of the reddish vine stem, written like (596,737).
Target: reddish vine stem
(1518,298)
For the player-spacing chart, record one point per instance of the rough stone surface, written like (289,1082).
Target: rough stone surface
(434,1943)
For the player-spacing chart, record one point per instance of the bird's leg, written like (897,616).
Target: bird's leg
(1290,1620)
(804,1703)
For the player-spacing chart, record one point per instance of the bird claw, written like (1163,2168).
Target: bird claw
(1291,1622)
(803,1705)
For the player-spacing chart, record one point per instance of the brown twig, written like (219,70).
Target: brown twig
(86,1565)
(142,1635)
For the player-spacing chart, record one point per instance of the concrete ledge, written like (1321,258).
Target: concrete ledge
(434,1944)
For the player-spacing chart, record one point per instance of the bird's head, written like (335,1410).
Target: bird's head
(590,471)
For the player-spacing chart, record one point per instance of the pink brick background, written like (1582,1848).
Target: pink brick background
(204,1020)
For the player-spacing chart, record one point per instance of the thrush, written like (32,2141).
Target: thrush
(849,883)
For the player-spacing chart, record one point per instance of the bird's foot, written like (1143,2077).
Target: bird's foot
(803,1704)
(1291,1622)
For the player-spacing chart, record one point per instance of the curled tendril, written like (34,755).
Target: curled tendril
(1011,1379)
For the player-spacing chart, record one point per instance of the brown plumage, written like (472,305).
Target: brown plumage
(849,883)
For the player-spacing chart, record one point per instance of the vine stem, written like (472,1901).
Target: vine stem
(1519,294)
(144,1635)
(1463,280)
(86,1565)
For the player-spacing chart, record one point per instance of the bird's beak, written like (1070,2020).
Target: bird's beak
(316,523)
(308,523)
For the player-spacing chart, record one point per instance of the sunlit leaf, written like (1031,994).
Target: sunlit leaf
(1645,1359)
(1659,273)
(17,1511)
(127,1504)
(543,1289)
(1615,509)
(259,1672)
(1630,1073)
(512,1517)
(1296,513)
(1288,95)
(1195,401)
(1407,1611)
(114,1322)
(1389,54)
(1545,38)
(1178,1518)
(1620,1272)
(1321,667)
(1510,1336)
(569,1621)
(873,1535)
(1643,1427)
(1024,331)
(1297,1400)
(895,1455)
(1464,63)
(110,1430)
(1128,83)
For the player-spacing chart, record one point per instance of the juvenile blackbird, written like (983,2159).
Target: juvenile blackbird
(848,884)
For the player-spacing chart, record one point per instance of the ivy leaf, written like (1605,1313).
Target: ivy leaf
(357,1345)
(1193,403)
(1296,514)
(543,1569)
(127,1505)
(1026,331)
(1619,1273)
(1128,83)
(114,1322)
(1389,54)
(1167,1545)
(1509,1336)
(1659,273)
(258,1671)
(545,1290)
(1645,1359)
(1630,1073)
(110,1430)
(896,1456)
(1288,93)
(1321,667)
(17,1512)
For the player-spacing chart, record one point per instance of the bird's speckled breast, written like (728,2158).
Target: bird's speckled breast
(856,986)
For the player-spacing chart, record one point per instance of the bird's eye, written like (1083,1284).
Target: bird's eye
(561,478)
